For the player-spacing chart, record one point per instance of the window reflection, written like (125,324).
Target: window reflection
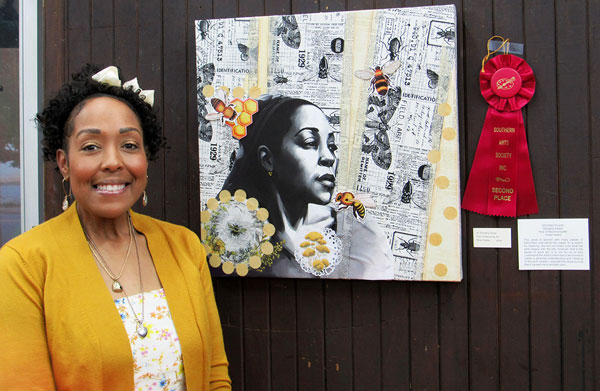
(10,191)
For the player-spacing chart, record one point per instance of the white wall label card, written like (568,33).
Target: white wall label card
(553,244)
(492,237)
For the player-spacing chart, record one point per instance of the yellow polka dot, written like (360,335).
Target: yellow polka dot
(435,239)
(444,109)
(208,91)
(238,92)
(215,260)
(205,216)
(262,214)
(450,213)
(239,195)
(225,196)
(212,203)
(440,269)
(228,267)
(202,234)
(434,156)
(266,248)
(269,229)
(442,182)
(449,133)
(254,92)
(241,269)
(254,262)
(252,203)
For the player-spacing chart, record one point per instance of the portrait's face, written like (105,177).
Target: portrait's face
(105,161)
(305,166)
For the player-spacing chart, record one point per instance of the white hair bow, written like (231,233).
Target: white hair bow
(110,76)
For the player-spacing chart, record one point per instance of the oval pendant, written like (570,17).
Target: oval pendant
(117,287)
(142,330)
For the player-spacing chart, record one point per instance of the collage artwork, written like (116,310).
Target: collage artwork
(328,145)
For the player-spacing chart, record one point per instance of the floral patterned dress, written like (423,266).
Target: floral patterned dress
(157,359)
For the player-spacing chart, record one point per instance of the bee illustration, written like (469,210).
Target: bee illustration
(379,76)
(393,48)
(205,130)
(346,200)
(433,79)
(203,28)
(224,111)
(280,79)
(407,191)
(448,34)
(325,71)
(289,32)
(407,195)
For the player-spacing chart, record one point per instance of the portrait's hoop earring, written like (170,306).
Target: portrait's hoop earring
(144,198)
(65,203)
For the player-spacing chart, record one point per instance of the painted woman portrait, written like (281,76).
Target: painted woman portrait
(288,162)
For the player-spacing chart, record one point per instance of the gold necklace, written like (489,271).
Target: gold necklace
(141,330)
(116,285)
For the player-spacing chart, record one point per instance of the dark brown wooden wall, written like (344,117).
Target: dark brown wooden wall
(500,329)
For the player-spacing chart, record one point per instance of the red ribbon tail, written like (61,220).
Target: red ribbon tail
(501,180)
(526,201)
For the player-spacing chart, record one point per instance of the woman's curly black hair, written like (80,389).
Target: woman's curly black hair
(56,118)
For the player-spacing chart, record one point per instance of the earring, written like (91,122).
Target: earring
(144,198)
(65,203)
(270,173)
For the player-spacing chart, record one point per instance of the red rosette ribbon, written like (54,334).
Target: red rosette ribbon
(501,181)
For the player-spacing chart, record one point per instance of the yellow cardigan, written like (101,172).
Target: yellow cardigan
(59,326)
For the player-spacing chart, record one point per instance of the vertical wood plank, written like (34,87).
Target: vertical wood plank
(366,335)
(228,293)
(395,336)
(78,34)
(150,75)
(257,360)
(54,76)
(482,265)
(513,284)
(125,36)
(310,335)
(304,6)
(102,32)
(424,343)
(338,335)
(574,185)
(174,114)
(541,126)
(251,8)
(283,334)
(453,298)
(594,63)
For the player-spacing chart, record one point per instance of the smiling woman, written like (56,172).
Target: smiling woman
(69,295)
